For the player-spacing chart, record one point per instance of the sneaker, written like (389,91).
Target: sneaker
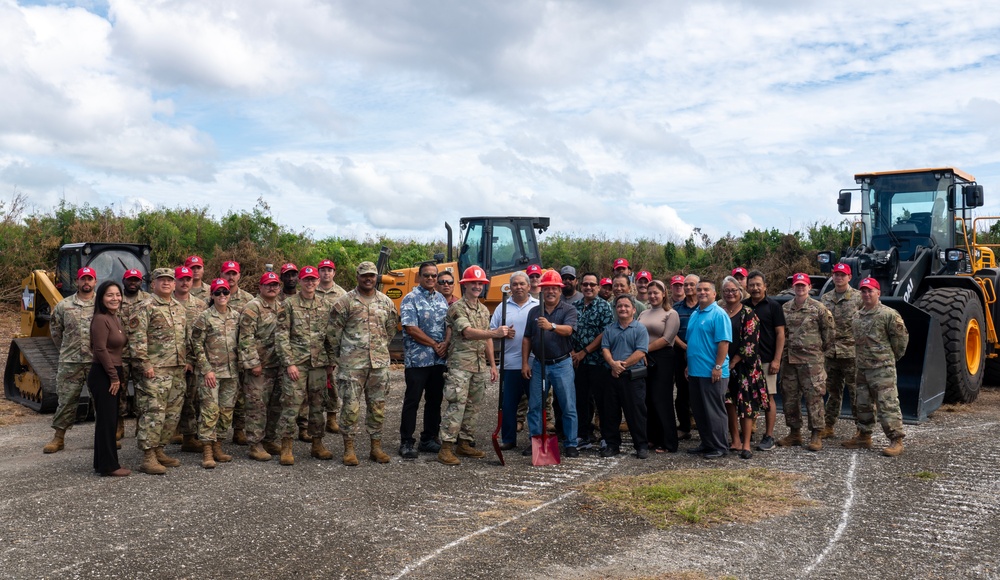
(609,451)
(429,446)
(406,451)
(746,454)
(571,452)
(583,443)
(642,453)
(766,444)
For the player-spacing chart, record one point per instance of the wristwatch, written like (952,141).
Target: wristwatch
(718,367)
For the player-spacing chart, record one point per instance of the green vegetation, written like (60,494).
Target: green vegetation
(702,496)
(926,475)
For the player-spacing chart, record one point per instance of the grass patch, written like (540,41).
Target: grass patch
(926,475)
(702,496)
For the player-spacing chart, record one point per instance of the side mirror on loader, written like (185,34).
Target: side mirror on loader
(844,202)
(973,195)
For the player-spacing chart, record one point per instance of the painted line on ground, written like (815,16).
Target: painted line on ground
(844,516)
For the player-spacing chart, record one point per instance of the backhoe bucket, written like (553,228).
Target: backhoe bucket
(920,374)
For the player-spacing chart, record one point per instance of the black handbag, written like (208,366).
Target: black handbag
(639,373)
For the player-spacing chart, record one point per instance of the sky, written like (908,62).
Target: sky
(624,120)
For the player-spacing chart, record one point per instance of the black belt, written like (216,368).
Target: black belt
(552,361)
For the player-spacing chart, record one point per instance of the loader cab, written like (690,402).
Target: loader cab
(500,244)
(109,261)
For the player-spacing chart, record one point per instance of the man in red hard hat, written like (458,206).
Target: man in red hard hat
(470,367)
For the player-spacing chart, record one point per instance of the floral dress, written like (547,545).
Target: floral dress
(747,385)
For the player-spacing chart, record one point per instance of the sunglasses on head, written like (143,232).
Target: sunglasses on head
(220,293)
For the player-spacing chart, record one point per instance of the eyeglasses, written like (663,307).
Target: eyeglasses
(431,276)
(446,282)
(588,284)
(731,291)
(568,277)
(220,293)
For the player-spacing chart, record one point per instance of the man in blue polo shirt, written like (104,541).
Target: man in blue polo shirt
(624,345)
(709,333)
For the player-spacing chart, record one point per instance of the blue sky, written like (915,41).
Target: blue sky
(625,119)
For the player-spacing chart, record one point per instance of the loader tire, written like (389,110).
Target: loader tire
(963,328)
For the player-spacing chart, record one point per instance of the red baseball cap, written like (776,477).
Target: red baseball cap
(534,269)
(194,261)
(644,274)
(842,267)
(740,270)
(132,274)
(86,271)
(219,283)
(800,278)
(308,272)
(182,272)
(327,263)
(230,267)
(678,279)
(620,263)
(870,283)
(289,267)
(268,278)
(606,282)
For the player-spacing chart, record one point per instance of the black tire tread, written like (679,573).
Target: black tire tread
(951,306)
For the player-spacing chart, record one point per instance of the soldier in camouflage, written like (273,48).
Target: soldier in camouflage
(880,338)
(470,366)
(362,322)
(301,343)
(214,347)
(330,290)
(132,295)
(158,346)
(193,307)
(258,358)
(199,289)
(810,330)
(70,331)
(843,303)
(238,298)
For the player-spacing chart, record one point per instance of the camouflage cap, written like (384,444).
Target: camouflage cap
(163,273)
(367,268)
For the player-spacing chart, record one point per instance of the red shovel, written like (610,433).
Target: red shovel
(544,449)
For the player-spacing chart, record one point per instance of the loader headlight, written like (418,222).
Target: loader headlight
(953,255)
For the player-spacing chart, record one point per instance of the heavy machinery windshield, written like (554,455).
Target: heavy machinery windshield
(907,210)
(498,244)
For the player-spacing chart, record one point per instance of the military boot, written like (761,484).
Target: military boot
(827,432)
(794,437)
(331,422)
(464,449)
(239,436)
(304,434)
(219,454)
(207,459)
(350,458)
(57,443)
(176,439)
(271,447)
(859,441)
(287,458)
(257,453)
(164,459)
(446,455)
(150,464)
(894,448)
(376,453)
(319,451)
(191,444)
(816,441)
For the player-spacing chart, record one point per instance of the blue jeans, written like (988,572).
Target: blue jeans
(514,386)
(560,378)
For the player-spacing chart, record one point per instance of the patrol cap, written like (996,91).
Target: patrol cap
(620,263)
(534,269)
(132,274)
(86,271)
(870,283)
(289,267)
(162,273)
(644,274)
(605,281)
(230,267)
(182,272)
(269,278)
(740,271)
(219,283)
(678,279)
(308,272)
(800,278)
(327,263)
(367,267)
(194,261)
(568,271)
(842,267)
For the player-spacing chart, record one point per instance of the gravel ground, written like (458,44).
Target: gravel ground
(419,519)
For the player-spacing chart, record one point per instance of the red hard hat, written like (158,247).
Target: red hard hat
(474,274)
(551,278)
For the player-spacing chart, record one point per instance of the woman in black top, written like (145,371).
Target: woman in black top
(107,339)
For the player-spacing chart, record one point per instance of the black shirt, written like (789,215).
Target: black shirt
(556,346)
(771,316)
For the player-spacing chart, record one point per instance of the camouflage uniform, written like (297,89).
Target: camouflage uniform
(300,341)
(193,307)
(203,292)
(840,365)
(810,332)
(158,342)
(359,334)
(880,339)
(468,371)
(258,323)
(213,343)
(238,299)
(131,374)
(70,331)
(333,402)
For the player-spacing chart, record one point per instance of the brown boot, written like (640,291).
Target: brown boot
(794,437)
(150,464)
(207,459)
(827,432)
(164,459)
(464,449)
(304,435)
(816,441)
(120,431)
(286,452)
(376,453)
(176,439)
(894,449)
(859,441)
(191,444)
(350,458)
(219,454)
(319,451)
(57,443)
(331,422)
(239,436)
(257,453)
(271,447)
(446,455)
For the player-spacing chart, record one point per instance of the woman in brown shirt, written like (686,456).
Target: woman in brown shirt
(107,339)
(661,322)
